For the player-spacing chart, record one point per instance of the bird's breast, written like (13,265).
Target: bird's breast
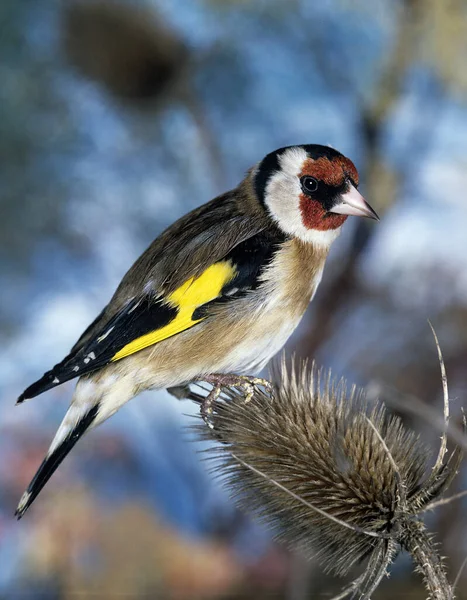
(260,325)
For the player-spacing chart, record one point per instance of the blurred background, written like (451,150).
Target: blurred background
(118,117)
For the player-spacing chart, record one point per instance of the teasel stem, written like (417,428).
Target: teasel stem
(419,543)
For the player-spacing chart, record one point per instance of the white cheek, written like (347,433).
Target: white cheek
(282,194)
(282,198)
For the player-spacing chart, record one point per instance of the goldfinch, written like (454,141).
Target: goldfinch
(218,293)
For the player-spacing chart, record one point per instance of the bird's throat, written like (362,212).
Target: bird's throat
(315,217)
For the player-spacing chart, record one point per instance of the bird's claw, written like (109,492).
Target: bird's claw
(247,383)
(251,383)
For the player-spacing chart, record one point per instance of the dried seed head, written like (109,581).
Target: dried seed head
(327,452)
(128,49)
(332,473)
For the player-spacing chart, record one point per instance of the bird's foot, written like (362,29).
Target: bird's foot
(219,381)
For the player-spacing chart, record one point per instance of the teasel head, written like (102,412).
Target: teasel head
(343,480)
(126,48)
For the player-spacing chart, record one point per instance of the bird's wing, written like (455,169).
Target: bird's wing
(149,318)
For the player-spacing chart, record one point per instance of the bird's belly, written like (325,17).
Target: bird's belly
(261,343)
(240,345)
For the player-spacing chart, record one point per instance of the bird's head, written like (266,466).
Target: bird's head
(309,191)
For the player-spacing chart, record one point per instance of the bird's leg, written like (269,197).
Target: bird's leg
(220,380)
(208,402)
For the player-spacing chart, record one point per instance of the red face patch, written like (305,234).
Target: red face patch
(331,172)
(315,217)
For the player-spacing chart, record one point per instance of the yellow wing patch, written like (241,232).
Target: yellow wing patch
(187,298)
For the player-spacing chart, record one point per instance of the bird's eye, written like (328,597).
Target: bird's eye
(309,184)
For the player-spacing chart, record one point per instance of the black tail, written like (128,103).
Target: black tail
(53,460)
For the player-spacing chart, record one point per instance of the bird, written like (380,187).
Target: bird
(213,298)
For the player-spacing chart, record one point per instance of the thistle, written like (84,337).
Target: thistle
(330,473)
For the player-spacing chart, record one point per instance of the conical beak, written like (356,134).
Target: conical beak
(353,203)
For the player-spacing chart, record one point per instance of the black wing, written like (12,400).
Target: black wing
(136,319)
(148,315)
